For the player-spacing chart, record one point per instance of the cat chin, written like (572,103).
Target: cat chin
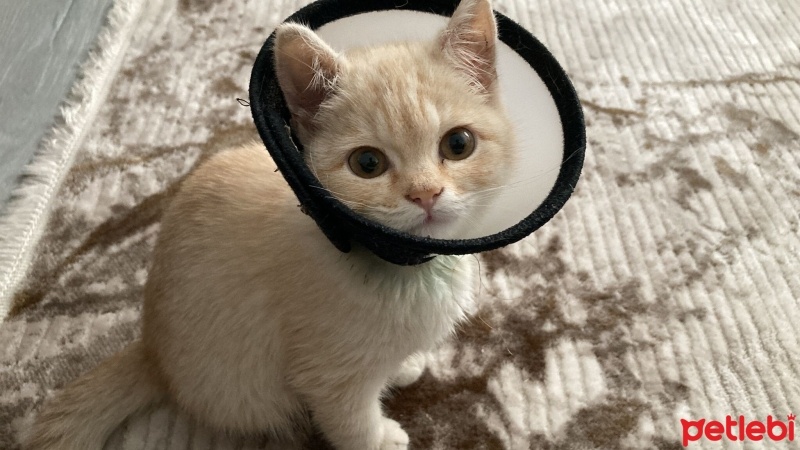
(436,230)
(443,227)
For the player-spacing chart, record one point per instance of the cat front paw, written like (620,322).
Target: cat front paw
(394,438)
(409,371)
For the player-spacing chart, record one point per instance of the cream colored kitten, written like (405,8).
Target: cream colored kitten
(253,322)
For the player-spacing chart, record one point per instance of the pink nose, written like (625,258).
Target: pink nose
(425,198)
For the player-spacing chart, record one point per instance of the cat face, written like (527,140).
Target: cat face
(410,135)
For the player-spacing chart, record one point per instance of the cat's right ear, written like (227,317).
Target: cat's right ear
(306,68)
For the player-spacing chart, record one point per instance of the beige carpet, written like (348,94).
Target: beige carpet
(667,288)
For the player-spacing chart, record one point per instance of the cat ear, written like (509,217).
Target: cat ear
(306,68)
(470,42)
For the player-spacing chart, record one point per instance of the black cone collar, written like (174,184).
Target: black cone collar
(341,225)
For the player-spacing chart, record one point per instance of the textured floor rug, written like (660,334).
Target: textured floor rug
(667,288)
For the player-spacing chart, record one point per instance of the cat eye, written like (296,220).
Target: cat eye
(457,144)
(367,162)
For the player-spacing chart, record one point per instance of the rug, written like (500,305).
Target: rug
(665,291)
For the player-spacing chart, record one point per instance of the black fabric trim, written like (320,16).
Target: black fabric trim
(340,224)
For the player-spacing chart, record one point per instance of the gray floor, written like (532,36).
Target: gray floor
(42,42)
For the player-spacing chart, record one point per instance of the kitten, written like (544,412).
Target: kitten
(253,322)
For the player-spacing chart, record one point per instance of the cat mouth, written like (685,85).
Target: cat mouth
(437,218)
(432,225)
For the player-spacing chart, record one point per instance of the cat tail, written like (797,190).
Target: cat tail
(86,412)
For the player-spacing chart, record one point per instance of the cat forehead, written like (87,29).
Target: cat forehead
(401,91)
(400,68)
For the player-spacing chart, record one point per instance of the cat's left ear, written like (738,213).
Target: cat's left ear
(470,42)
(306,68)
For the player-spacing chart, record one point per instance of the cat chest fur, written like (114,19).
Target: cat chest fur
(420,303)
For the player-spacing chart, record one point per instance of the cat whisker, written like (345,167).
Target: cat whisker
(350,203)
(312,166)
(532,177)
(508,185)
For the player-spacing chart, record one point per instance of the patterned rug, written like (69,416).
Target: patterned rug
(666,290)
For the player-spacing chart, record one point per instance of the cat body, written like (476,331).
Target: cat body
(284,320)
(253,322)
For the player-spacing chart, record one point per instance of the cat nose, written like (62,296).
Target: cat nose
(425,198)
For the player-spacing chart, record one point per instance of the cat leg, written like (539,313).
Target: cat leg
(353,420)
(409,371)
